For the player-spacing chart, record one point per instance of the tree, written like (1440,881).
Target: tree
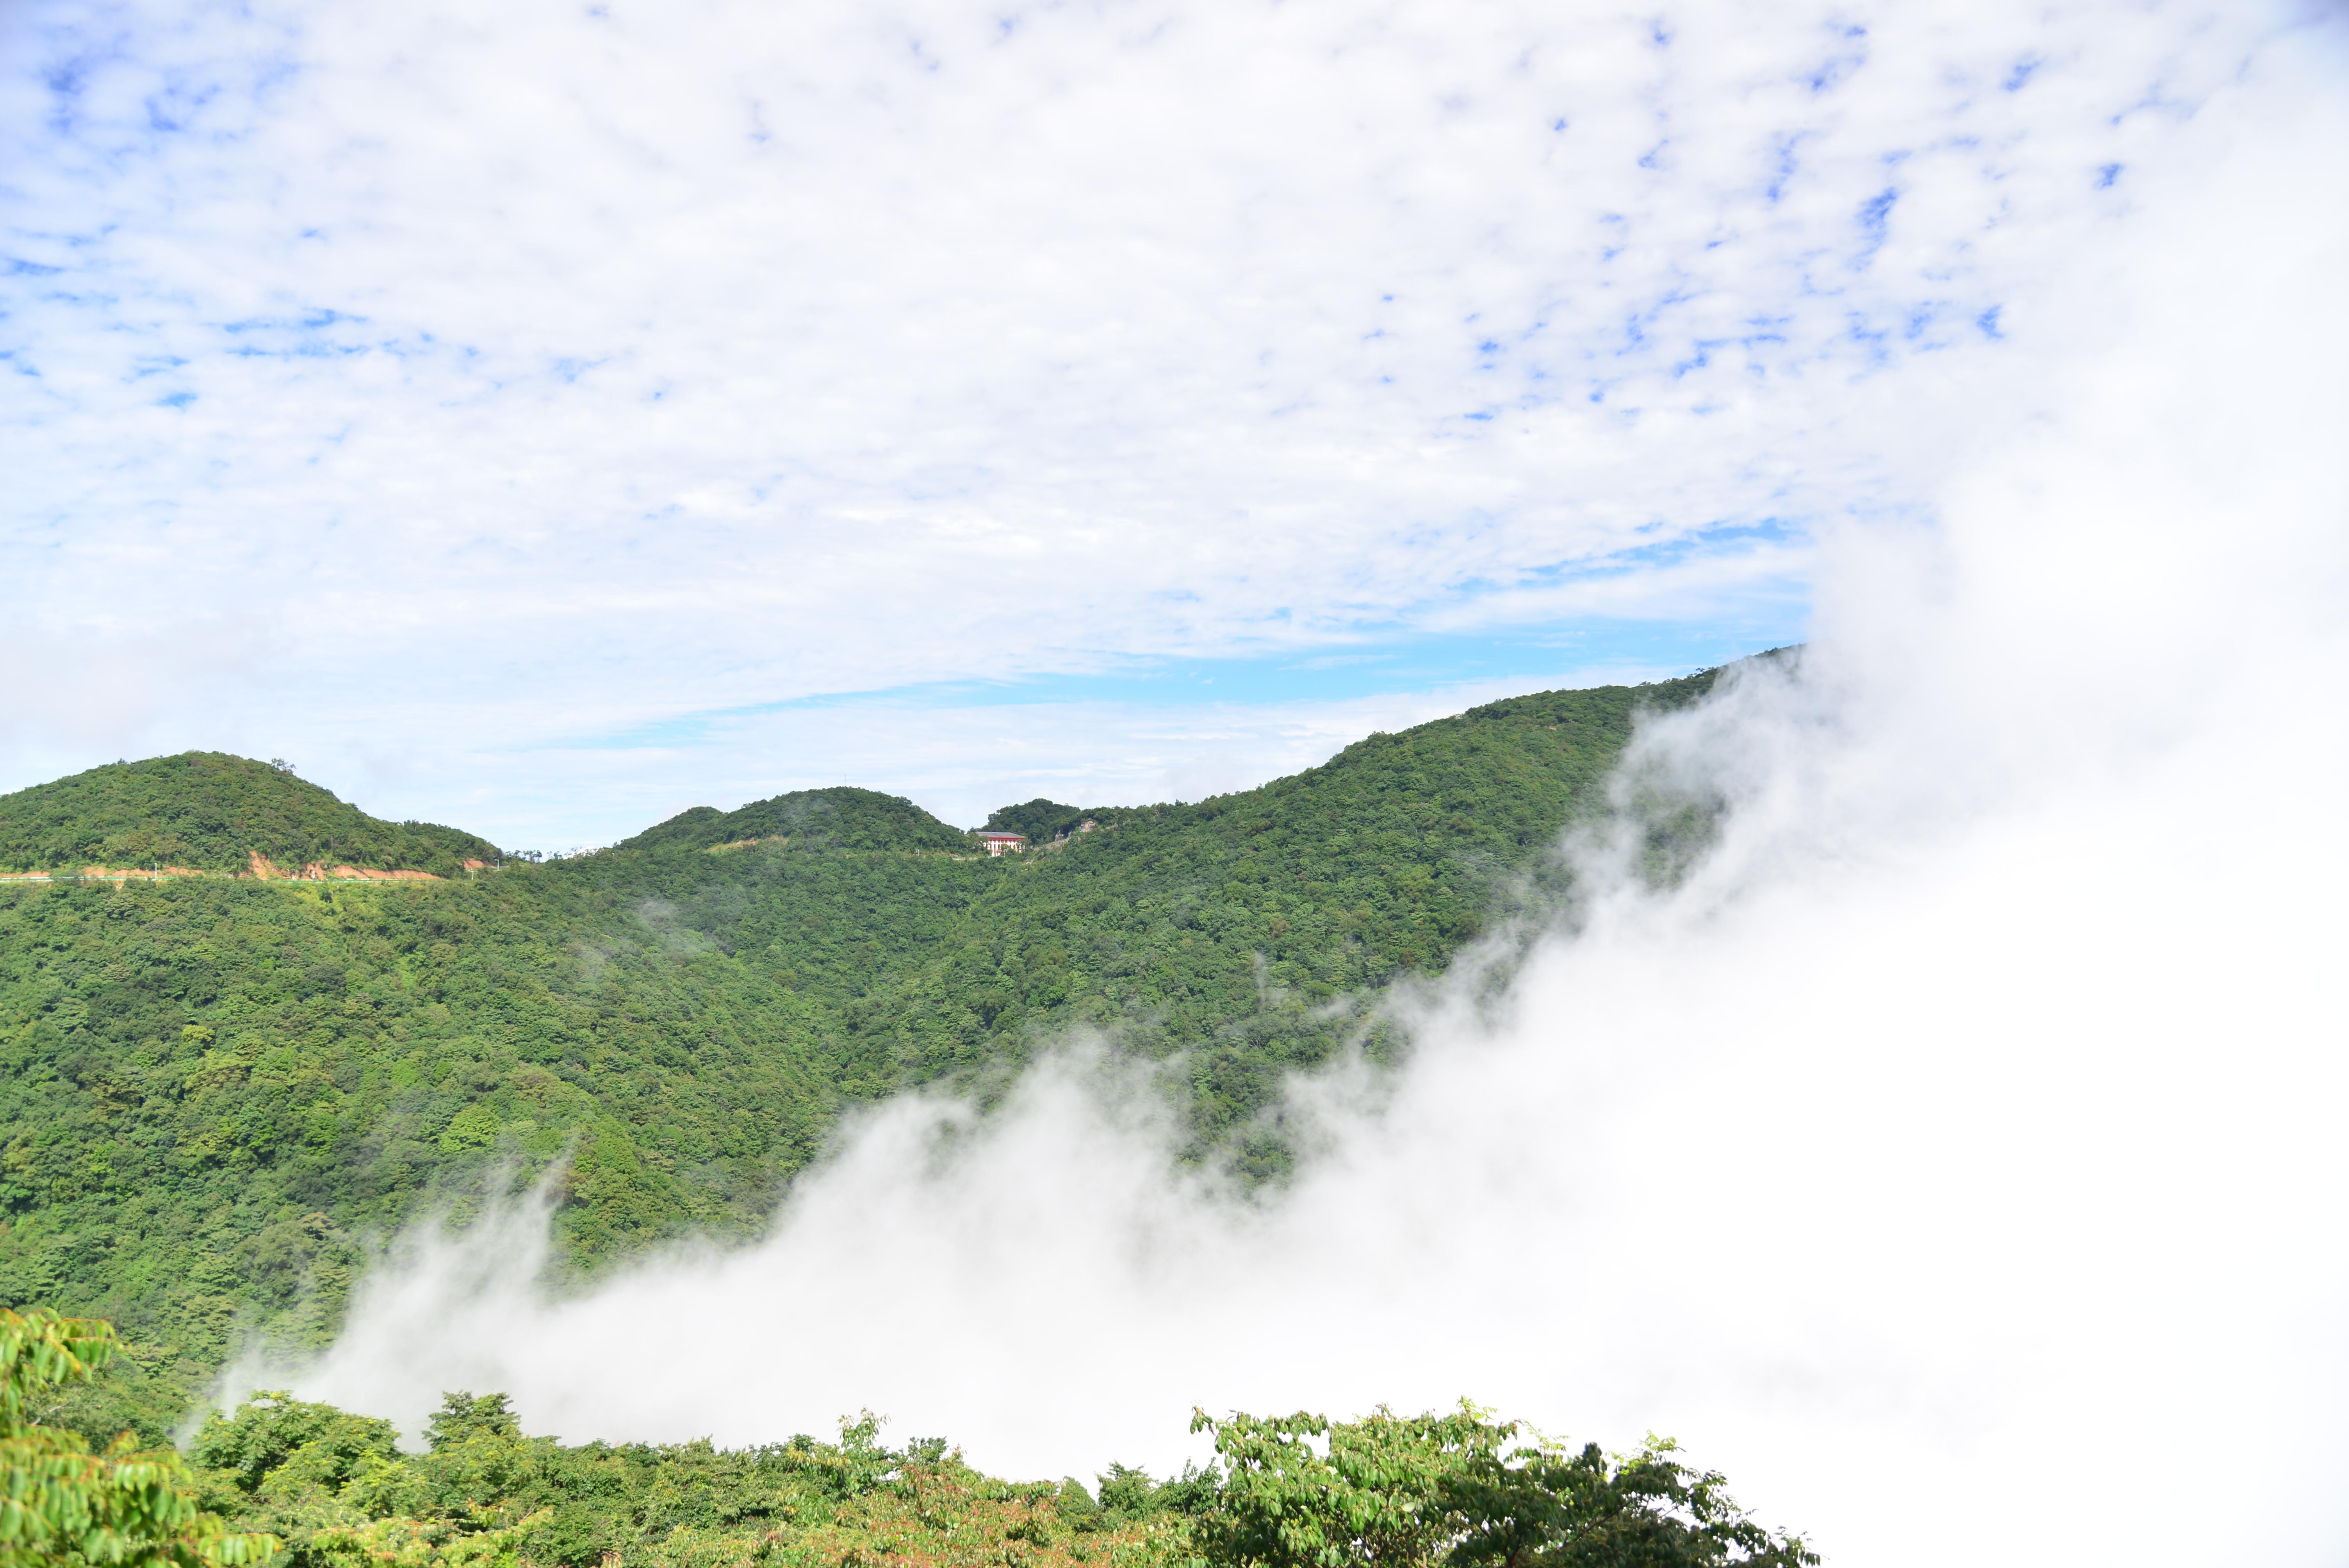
(273,1437)
(464,1415)
(1461,1491)
(62,1505)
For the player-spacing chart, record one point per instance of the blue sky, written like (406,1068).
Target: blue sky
(1376,664)
(546,416)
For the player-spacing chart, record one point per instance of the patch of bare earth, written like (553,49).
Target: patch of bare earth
(268,870)
(108,873)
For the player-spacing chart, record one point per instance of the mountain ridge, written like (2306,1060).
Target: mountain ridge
(219,1095)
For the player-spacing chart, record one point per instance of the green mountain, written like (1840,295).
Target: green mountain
(840,819)
(215,1091)
(204,810)
(1039,821)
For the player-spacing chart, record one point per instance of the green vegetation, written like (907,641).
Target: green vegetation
(62,1505)
(202,810)
(215,1094)
(1465,1491)
(1458,1490)
(1040,820)
(305,1485)
(838,818)
(335,1487)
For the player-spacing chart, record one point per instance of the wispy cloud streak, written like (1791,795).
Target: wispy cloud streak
(515,365)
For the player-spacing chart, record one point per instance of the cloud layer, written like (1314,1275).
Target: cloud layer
(1954,1160)
(443,390)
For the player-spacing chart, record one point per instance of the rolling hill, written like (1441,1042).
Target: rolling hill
(205,811)
(810,820)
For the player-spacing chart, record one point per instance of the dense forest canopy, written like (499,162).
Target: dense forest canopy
(207,811)
(1040,820)
(215,1091)
(844,818)
(285,1483)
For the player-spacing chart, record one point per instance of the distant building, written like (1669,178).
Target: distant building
(1003,844)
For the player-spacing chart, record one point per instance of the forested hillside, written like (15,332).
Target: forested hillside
(213,1092)
(202,810)
(838,818)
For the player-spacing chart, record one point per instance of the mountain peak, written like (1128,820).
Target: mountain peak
(211,811)
(841,817)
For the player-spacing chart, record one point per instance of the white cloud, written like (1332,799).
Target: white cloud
(535,367)
(1954,1160)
